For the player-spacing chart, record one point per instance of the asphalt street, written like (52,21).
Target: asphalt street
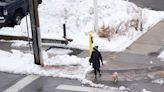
(49,84)
(7,80)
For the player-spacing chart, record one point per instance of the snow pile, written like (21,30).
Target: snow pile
(123,88)
(161,56)
(57,51)
(19,43)
(69,66)
(145,90)
(79,18)
(18,62)
(59,61)
(159,81)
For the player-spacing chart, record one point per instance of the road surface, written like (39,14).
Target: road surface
(152,4)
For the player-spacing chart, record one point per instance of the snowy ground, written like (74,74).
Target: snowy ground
(78,15)
(68,67)
(159,81)
(161,56)
(145,90)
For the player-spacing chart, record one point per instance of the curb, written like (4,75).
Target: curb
(24,38)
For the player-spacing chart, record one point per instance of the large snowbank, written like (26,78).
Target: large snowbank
(79,18)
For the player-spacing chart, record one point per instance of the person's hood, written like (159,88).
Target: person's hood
(95,48)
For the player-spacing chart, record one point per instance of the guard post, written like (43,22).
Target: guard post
(90,44)
(64,30)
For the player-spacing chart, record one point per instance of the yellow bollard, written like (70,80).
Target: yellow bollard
(90,43)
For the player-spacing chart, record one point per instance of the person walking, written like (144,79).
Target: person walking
(95,60)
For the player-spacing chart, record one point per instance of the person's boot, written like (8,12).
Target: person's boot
(99,74)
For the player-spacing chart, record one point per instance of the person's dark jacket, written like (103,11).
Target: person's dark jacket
(96,58)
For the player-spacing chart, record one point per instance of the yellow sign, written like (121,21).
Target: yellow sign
(90,43)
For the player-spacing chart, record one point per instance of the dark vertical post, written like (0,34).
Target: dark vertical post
(64,31)
(33,5)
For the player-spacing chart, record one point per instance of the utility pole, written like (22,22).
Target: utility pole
(35,28)
(95,16)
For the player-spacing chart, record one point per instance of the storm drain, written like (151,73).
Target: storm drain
(154,54)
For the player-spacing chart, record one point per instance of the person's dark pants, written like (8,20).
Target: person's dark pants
(95,71)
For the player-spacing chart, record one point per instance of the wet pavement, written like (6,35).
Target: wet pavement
(8,79)
(135,72)
(152,4)
(137,66)
(137,86)
(130,64)
(49,84)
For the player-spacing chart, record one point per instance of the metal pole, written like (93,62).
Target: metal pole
(28,32)
(95,16)
(26,12)
(64,31)
(38,31)
(33,5)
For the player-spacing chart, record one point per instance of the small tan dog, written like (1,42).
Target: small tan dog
(115,77)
